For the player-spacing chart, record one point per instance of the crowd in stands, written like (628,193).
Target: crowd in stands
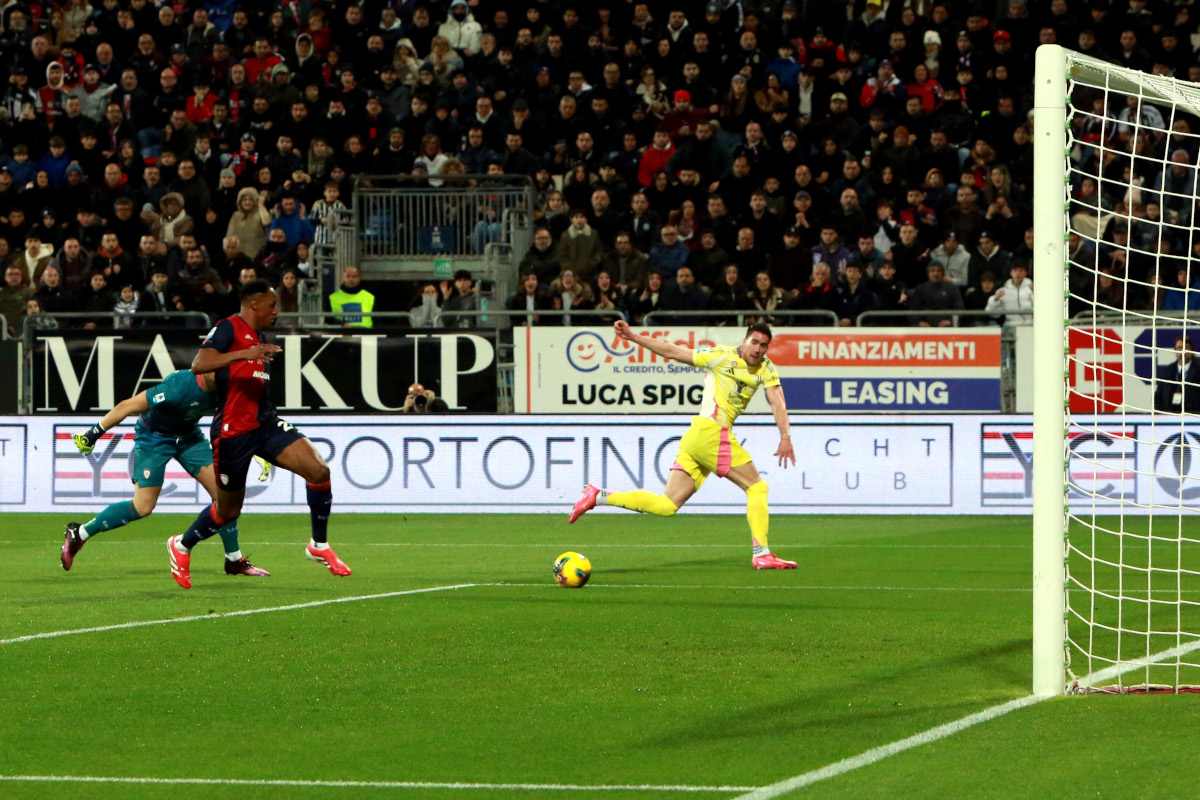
(735,156)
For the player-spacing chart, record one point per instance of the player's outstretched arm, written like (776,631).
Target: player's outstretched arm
(129,407)
(658,346)
(785,452)
(138,404)
(209,359)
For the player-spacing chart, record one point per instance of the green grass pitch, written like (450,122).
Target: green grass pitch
(676,666)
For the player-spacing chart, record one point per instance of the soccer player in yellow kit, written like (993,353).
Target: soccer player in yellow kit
(734,375)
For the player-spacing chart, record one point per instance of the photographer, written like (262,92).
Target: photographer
(423,401)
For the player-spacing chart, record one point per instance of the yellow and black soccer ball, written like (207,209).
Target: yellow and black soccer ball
(572,570)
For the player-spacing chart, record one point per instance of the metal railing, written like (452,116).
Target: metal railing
(811,313)
(35,323)
(503,318)
(1133,317)
(331,251)
(339,320)
(3,327)
(411,218)
(951,313)
(500,265)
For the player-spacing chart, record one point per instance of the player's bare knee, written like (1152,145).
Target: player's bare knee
(143,507)
(321,473)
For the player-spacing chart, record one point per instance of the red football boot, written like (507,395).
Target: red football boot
(181,564)
(329,558)
(585,503)
(771,561)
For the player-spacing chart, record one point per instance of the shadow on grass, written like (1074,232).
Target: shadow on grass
(792,715)
(601,598)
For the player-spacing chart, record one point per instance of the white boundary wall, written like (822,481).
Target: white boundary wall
(909,464)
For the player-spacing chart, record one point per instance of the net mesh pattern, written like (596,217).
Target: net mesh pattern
(1133,410)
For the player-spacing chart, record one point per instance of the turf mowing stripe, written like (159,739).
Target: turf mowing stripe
(609,545)
(788,588)
(875,754)
(486,787)
(227,614)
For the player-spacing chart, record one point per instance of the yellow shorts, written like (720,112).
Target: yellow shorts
(709,447)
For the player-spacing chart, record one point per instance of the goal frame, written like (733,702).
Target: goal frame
(1054,69)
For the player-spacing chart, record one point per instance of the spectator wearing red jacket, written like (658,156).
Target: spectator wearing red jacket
(655,158)
(261,63)
(200,105)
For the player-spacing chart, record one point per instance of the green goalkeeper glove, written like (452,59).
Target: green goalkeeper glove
(264,469)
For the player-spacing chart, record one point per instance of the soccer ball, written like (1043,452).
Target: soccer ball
(572,570)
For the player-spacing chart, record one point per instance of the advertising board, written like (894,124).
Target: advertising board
(590,370)
(1110,369)
(913,464)
(326,372)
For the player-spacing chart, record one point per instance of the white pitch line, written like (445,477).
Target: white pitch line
(1103,676)
(886,751)
(300,784)
(876,754)
(227,614)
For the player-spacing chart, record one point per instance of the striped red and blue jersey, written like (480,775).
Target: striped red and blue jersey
(243,388)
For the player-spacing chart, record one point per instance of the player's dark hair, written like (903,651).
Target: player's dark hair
(254,287)
(760,327)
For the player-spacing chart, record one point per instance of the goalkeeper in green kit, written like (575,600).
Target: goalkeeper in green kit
(167,428)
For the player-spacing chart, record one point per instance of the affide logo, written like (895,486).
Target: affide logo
(1095,370)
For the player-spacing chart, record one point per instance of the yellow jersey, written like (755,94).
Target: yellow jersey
(730,383)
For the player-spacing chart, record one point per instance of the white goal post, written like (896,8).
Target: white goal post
(1049,369)
(1116,528)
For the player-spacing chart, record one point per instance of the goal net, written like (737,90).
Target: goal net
(1117,387)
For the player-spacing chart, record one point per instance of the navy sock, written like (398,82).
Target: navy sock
(204,526)
(320,501)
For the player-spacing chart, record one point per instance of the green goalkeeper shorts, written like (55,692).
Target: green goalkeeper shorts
(152,451)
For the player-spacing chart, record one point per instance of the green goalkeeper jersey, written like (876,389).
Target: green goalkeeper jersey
(176,405)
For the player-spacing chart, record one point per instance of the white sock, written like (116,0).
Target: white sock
(177,543)
(315,545)
(83,534)
(602,498)
(236,555)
